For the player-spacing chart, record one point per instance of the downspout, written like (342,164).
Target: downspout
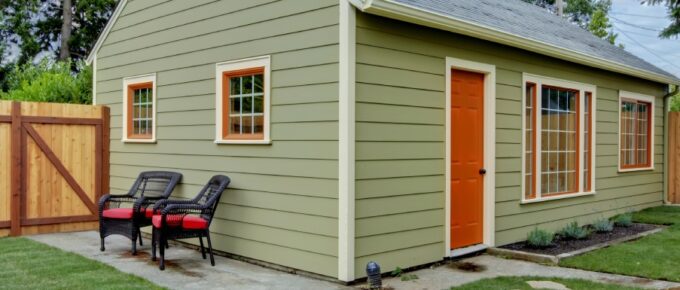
(666,106)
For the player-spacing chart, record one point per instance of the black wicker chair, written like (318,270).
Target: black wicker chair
(183,219)
(125,214)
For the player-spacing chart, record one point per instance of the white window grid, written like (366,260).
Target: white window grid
(634,119)
(529,139)
(586,138)
(139,122)
(558,177)
(252,114)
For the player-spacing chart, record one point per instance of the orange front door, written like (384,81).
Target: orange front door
(467,158)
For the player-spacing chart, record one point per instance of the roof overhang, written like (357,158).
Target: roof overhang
(408,13)
(106,31)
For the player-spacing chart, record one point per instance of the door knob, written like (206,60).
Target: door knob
(482,171)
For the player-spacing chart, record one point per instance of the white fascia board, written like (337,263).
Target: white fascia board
(106,31)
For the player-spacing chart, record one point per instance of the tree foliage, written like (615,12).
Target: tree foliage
(592,15)
(35,33)
(35,26)
(49,81)
(673,7)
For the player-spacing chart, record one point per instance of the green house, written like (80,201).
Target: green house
(395,131)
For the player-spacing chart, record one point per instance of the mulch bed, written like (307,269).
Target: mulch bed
(561,246)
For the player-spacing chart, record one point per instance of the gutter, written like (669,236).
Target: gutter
(416,15)
(666,103)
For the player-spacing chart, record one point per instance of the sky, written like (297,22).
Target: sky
(638,27)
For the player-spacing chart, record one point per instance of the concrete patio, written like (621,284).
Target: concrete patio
(187,270)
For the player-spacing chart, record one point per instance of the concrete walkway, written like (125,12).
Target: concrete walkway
(446,276)
(187,270)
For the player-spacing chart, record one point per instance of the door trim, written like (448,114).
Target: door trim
(489,72)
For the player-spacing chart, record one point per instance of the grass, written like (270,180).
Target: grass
(26,264)
(654,256)
(519,283)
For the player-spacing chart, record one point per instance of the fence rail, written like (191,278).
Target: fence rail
(53,166)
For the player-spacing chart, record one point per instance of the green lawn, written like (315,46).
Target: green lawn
(26,264)
(519,283)
(655,256)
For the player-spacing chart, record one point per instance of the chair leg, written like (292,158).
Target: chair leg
(101,248)
(200,239)
(161,265)
(153,244)
(139,235)
(134,242)
(212,259)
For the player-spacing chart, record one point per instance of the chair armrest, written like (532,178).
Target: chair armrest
(108,198)
(183,208)
(162,204)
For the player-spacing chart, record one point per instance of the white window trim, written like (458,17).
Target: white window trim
(644,98)
(220,69)
(127,82)
(489,203)
(582,88)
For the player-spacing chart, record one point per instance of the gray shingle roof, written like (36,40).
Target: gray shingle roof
(533,22)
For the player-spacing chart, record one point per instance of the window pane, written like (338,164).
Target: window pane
(235,125)
(259,104)
(235,105)
(247,125)
(247,85)
(259,83)
(247,104)
(235,86)
(259,125)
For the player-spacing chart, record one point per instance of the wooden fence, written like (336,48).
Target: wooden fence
(53,166)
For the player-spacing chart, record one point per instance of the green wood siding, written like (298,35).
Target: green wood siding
(282,205)
(400,142)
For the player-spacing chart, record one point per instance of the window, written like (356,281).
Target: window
(558,127)
(636,131)
(243,101)
(139,114)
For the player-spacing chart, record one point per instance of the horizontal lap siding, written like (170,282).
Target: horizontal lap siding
(282,204)
(400,142)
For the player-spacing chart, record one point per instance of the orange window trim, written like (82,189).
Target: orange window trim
(533,140)
(635,140)
(226,76)
(130,110)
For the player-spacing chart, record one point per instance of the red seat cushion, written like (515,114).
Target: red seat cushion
(149,212)
(187,222)
(194,223)
(118,213)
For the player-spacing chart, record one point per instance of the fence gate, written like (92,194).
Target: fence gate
(53,166)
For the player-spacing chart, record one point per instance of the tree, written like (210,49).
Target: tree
(599,25)
(673,6)
(62,29)
(591,15)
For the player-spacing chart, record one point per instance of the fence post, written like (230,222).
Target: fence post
(106,136)
(16,169)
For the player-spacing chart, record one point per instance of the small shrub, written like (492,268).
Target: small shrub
(397,272)
(603,226)
(624,220)
(540,238)
(574,232)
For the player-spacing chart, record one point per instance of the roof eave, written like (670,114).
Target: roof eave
(419,16)
(106,31)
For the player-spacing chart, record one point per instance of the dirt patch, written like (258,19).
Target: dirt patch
(169,265)
(561,246)
(467,267)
